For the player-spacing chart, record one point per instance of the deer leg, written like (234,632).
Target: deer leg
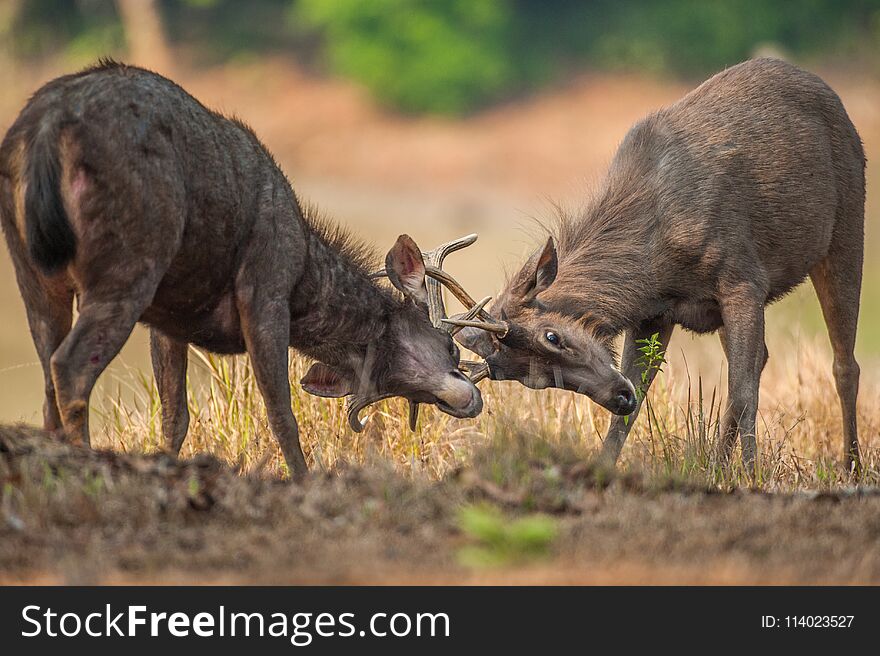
(722,336)
(48,304)
(730,425)
(742,312)
(49,316)
(838,282)
(632,368)
(169,366)
(266,327)
(101,330)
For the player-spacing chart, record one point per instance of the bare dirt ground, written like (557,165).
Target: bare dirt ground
(71,515)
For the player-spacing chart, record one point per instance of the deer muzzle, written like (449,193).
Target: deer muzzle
(459,397)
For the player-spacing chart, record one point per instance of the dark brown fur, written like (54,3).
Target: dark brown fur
(712,208)
(118,187)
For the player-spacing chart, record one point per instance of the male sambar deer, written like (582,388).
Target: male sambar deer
(712,209)
(119,188)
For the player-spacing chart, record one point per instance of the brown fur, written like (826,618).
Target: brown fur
(712,208)
(118,187)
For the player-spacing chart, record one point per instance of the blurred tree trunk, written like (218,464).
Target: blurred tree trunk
(144,34)
(9,10)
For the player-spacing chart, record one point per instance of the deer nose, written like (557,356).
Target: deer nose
(458,391)
(626,402)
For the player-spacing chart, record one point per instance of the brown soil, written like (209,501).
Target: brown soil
(70,515)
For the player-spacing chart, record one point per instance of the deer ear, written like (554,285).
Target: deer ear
(324,380)
(537,274)
(406,269)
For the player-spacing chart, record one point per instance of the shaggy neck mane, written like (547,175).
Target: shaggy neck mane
(338,309)
(604,270)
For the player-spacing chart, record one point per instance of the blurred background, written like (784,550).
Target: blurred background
(443,117)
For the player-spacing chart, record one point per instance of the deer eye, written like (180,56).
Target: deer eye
(552,337)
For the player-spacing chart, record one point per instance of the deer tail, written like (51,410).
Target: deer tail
(50,238)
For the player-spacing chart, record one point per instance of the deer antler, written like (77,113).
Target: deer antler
(476,316)
(434,261)
(356,403)
(485,320)
(436,308)
(498,327)
(436,278)
(476,371)
(468,316)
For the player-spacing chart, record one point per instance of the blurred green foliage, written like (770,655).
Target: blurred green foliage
(454,56)
(40,27)
(433,55)
(500,540)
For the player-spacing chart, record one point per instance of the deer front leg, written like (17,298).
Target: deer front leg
(730,423)
(169,367)
(632,368)
(742,311)
(266,327)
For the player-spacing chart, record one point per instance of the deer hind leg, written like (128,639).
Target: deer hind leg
(121,286)
(169,366)
(103,326)
(49,314)
(49,328)
(742,311)
(48,303)
(632,369)
(837,280)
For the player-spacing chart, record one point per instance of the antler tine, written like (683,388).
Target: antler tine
(434,263)
(477,308)
(440,276)
(434,259)
(438,254)
(465,298)
(497,327)
(356,403)
(467,316)
(474,370)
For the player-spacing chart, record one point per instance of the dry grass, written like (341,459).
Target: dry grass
(799,426)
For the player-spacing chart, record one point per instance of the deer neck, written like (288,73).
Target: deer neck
(338,313)
(606,276)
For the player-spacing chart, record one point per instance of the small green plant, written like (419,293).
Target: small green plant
(93,484)
(651,360)
(51,478)
(193,487)
(825,473)
(501,540)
